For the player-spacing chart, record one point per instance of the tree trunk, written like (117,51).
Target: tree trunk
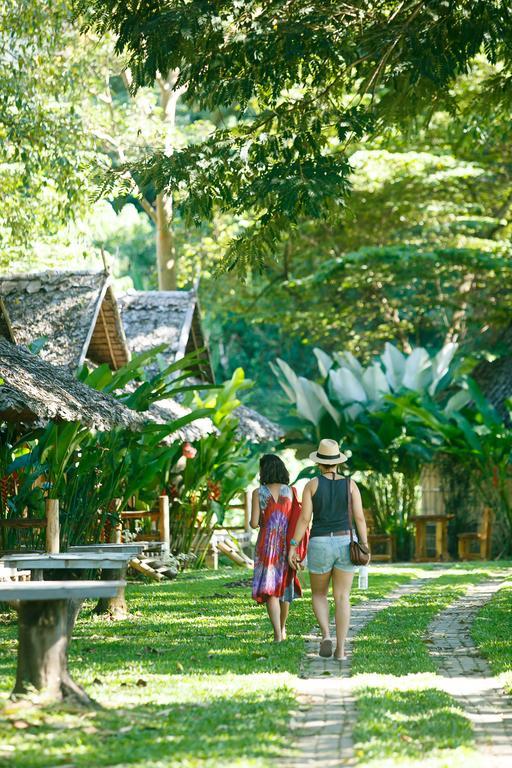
(115,607)
(44,631)
(165,246)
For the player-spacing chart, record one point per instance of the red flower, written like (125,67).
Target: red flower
(214,490)
(188,451)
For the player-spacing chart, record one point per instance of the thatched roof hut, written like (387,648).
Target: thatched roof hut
(76,312)
(32,389)
(173,318)
(152,318)
(169,410)
(255,427)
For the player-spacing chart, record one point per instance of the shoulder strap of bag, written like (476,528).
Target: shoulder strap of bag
(349,507)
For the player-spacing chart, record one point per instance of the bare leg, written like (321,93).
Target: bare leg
(319,590)
(285,609)
(341,586)
(274,614)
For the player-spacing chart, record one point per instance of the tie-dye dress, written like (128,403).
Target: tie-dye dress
(272,575)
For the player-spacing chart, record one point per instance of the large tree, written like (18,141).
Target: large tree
(308,80)
(43,146)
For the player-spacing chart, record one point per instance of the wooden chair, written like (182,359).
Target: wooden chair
(159,521)
(482,538)
(386,542)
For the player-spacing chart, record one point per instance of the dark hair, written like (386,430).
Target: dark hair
(273,470)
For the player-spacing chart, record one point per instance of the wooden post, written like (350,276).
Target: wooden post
(117,529)
(439,540)
(164,522)
(52,526)
(247,510)
(116,536)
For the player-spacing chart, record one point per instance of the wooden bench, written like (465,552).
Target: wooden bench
(159,519)
(385,540)
(482,538)
(47,611)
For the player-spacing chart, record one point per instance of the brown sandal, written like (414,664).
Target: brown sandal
(326,648)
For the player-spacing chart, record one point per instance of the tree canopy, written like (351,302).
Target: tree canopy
(307,81)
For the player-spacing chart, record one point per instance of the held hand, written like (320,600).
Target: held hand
(292,558)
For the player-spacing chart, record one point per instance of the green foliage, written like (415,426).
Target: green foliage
(306,81)
(221,469)
(95,473)
(470,432)
(491,632)
(43,145)
(396,415)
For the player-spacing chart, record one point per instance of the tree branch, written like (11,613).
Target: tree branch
(115,142)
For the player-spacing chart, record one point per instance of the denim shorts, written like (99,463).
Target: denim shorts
(328,552)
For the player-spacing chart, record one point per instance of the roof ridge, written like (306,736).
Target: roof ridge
(51,272)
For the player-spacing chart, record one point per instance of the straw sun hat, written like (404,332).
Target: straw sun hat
(328,453)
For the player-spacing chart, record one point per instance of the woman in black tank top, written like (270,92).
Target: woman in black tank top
(325,500)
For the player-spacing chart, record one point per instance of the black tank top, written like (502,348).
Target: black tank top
(330,507)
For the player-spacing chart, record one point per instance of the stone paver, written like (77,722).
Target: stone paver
(468,677)
(322,727)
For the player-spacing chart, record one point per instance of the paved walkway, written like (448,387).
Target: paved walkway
(468,677)
(322,727)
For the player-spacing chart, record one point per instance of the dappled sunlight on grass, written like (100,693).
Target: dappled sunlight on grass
(492,633)
(191,679)
(421,727)
(392,643)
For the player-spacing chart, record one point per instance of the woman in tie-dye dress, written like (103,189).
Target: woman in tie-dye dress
(274,511)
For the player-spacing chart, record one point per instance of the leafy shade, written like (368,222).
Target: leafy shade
(306,80)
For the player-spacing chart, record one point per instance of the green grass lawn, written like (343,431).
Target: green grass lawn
(403,719)
(190,680)
(492,633)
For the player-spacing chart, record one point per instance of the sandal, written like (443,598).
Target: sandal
(326,648)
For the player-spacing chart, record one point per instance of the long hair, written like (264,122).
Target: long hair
(273,470)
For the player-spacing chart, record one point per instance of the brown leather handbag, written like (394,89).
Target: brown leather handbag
(359,554)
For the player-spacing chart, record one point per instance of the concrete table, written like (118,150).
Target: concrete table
(67,561)
(46,617)
(133,548)
(112,564)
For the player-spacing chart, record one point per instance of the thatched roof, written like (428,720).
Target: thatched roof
(76,312)
(152,318)
(495,378)
(169,410)
(255,427)
(34,390)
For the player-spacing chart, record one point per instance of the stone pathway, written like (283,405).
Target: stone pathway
(468,677)
(322,727)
